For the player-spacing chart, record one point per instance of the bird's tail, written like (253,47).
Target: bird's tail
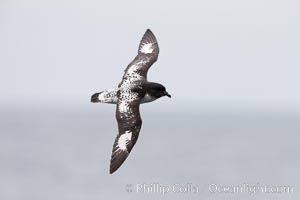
(107,96)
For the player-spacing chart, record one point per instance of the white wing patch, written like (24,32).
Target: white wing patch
(124,140)
(147,48)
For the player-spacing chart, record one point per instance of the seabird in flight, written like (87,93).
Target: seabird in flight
(133,90)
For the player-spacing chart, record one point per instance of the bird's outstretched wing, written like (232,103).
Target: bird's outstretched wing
(129,125)
(147,54)
(129,99)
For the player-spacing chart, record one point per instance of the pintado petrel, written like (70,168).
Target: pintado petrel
(133,90)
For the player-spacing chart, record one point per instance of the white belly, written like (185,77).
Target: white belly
(147,98)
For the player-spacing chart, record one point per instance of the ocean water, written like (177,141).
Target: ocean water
(63,154)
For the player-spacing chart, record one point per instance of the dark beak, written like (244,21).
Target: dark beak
(167,94)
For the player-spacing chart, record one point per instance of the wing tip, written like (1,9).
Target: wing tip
(148,38)
(112,168)
(117,161)
(149,35)
(111,171)
(148,31)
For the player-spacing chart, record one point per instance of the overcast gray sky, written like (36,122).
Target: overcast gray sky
(212,53)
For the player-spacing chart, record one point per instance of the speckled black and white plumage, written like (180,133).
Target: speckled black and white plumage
(133,90)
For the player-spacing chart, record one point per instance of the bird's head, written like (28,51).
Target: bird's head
(157,90)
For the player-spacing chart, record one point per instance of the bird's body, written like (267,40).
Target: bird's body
(133,90)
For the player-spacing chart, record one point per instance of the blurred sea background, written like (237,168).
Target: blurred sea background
(231,67)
